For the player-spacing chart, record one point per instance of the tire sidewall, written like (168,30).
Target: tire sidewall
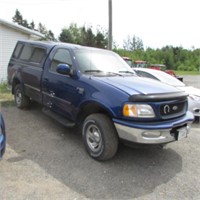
(24,101)
(18,90)
(86,124)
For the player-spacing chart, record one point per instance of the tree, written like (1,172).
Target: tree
(83,36)
(127,43)
(48,34)
(32,25)
(87,37)
(132,44)
(18,18)
(71,34)
(101,40)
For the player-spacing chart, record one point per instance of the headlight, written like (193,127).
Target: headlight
(194,97)
(138,110)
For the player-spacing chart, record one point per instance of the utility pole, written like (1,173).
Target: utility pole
(110,24)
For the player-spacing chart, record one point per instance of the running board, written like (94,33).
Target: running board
(58,118)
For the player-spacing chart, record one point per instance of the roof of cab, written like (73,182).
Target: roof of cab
(51,44)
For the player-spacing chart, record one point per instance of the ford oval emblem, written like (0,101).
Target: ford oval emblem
(175,108)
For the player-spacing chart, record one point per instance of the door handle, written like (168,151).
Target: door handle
(45,81)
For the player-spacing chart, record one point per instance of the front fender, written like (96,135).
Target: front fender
(93,105)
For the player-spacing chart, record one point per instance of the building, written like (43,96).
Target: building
(10,33)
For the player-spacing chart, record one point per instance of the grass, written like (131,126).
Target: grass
(187,72)
(6,97)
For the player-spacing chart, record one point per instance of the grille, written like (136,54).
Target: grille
(170,110)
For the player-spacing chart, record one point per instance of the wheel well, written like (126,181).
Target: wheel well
(91,108)
(14,83)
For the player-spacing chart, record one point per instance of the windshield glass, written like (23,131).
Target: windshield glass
(168,79)
(101,61)
(160,75)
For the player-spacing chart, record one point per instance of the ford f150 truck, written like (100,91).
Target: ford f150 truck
(97,90)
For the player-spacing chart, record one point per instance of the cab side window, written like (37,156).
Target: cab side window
(17,50)
(37,55)
(62,56)
(26,53)
(32,54)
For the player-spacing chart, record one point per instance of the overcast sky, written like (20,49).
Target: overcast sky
(157,22)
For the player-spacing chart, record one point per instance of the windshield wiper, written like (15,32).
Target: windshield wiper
(115,73)
(100,71)
(93,71)
(127,72)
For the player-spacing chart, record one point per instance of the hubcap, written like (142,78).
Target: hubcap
(18,97)
(94,138)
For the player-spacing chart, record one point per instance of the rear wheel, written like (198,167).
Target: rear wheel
(100,137)
(21,100)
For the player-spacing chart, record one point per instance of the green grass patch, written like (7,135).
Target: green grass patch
(6,97)
(5,88)
(187,72)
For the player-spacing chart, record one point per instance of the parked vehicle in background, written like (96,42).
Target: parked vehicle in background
(145,64)
(163,68)
(98,91)
(2,137)
(128,61)
(194,93)
(140,63)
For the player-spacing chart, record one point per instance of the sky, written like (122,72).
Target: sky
(157,22)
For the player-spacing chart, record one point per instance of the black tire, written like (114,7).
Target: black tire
(100,137)
(21,100)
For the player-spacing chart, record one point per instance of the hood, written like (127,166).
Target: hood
(137,85)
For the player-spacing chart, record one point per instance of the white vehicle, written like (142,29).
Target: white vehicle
(194,93)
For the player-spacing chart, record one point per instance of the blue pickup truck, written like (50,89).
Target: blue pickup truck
(96,90)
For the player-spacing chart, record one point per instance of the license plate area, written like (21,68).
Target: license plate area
(182,133)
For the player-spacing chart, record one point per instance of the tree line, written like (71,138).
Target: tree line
(176,58)
(73,34)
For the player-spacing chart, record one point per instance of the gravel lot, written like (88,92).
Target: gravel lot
(45,160)
(192,80)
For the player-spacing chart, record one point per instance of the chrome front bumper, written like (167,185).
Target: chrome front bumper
(143,136)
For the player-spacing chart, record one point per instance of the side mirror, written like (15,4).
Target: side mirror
(63,69)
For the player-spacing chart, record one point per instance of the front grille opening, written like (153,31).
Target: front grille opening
(174,109)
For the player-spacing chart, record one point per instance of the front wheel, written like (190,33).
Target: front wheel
(100,137)
(21,100)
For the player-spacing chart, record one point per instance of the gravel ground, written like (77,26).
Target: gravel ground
(192,80)
(44,160)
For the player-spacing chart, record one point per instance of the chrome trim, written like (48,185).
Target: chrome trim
(137,135)
(31,87)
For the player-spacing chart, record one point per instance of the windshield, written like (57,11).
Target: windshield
(168,79)
(101,61)
(159,75)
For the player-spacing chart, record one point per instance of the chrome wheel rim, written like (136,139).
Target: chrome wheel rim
(18,97)
(94,138)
